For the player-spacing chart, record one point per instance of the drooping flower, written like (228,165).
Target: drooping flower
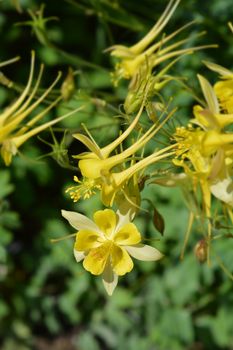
(106,244)
(15,125)
(119,187)
(99,162)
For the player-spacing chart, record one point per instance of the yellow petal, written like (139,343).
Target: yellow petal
(87,239)
(96,260)
(209,94)
(106,221)
(92,146)
(92,168)
(205,118)
(224,91)
(121,261)
(127,235)
(213,140)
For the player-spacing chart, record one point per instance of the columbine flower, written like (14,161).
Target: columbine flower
(119,187)
(145,52)
(111,174)
(213,147)
(206,157)
(15,128)
(106,244)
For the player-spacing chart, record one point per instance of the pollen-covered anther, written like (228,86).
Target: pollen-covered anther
(85,190)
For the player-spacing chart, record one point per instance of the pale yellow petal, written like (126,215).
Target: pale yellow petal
(127,235)
(110,279)
(121,261)
(79,221)
(223,190)
(106,221)
(86,240)
(79,255)
(144,252)
(96,259)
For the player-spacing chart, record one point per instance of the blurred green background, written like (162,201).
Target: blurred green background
(48,301)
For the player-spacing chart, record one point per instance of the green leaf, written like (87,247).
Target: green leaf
(5,187)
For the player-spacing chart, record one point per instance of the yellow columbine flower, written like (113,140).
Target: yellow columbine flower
(146,53)
(121,187)
(15,128)
(213,147)
(106,244)
(99,169)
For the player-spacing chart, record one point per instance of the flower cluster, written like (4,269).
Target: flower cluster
(198,154)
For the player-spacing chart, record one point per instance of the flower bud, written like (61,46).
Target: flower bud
(68,86)
(200,251)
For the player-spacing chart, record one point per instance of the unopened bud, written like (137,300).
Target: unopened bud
(200,251)
(68,85)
